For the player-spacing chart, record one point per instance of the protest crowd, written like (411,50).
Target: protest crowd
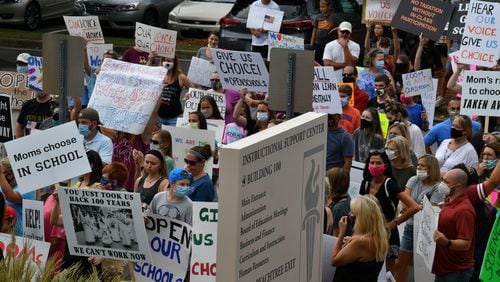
(405,126)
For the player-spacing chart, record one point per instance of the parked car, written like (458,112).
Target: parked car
(201,15)
(123,14)
(32,12)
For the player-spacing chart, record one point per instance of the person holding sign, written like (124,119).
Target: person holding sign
(259,35)
(213,42)
(343,51)
(155,176)
(426,56)
(251,125)
(202,187)
(232,96)
(324,23)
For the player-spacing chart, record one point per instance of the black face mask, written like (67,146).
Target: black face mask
(455,133)
(348,79)
(366,124)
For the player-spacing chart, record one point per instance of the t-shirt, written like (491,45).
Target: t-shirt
(415,114)
(102,145)
(202,54)
(170,102)
(334,52)
(360,99)
(339,145)
(203,190)
(232,97)
(323,25)
(339,209)
(363,144)
(33,113)
(402,175)
(122,152)
(53,231)
(262,40)
(350,119)
(132,55)
(182,210)
(373,103)
(18,207)
(417,140)
(441,131)
(418,190)
(447,158)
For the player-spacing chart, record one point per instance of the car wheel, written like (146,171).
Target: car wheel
(32,16)
(151,18)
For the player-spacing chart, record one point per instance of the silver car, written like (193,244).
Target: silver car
(123,14)
(32,12)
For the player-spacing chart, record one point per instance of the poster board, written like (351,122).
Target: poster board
(87,27)
(273,199)
(456,26)
(6,132)
(149,38)
(280,40)
(200,71)
(325,98)
(215,125)
(417,82)
(379,11)
(490,270)
(194,95)
(95,53)
(420,270)
(429,102)
(16,85)
(50,156)
(125,94)
(266,19)
(35,73)
(204,254)
(113,215)
(480,92)
(33,223)
(426,246)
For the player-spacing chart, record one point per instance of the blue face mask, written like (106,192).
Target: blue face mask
(22,69)
(379,64)
(182,191)
(84,130)
(490,164)
(109,184)
(344,101)
(391,135)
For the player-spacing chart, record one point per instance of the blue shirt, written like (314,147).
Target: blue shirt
(18,207)
(102,145)
(415,114)
(203,190)
(339,145)
(366,81)
(441,131)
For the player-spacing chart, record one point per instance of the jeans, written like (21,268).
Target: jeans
(459,276)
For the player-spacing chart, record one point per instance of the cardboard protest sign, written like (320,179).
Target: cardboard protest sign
(204,254)
(170,243)
(418,16)
(16,85)
(191,104)
(125,94)
(149,38)
(379,11)
(95,53)
(37,251)
(87,27)
(272,200)
(35,73)
(417,82)
(355,176)
(53,155)
(429,102)
(104,223)
(453,59)
(33,224)
(241,70)
(480,91)
(420,270)
(186,138)
(215,125)
(325,97)
(279,40)
(426,246)
(490,270)
(6,133)
(456,26)
(200,71)
(480,42)
(267,19)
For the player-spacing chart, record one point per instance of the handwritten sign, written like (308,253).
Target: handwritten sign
(490,270)
(241,69)
(5,119)
(429,102)
(95,53)
(325,97)
(417,82)
(279,40)
(149,38)
(426,246)
(33,220)
(203,259)
(191,104)
(418,16)
(87,27)
(125,94)
(480,92)
(35,73)
(53,155)
(200,71)
(480,42)
(16,85)
(170,244)
(267,19)
(380,11)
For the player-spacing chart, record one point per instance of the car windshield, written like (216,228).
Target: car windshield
(292,8)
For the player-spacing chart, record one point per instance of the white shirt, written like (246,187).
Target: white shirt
(335,52)
(262,40)
(447,158)
(417,140)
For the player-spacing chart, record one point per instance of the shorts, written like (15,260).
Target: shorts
(407,239)
(393,252)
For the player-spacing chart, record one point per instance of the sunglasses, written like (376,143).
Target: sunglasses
(154,142)
(345,32)
(347,74)
(190,162)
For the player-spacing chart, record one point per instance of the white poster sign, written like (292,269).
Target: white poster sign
(53,155)
(380,11)
(239,70)
(87,27)
(421,273)
(95,53)
(149,38)
(417,82)
(35,73)
(204,254)
(200,71)
(104,223)
(267,19)
(481,38)
(194,95)
(33,220)
(356,176)
(125,94)
(429,102)
(279,40)
(480,92)
(186,138)
(426,246)
(453,58)
(325,97)
(273,198)
(170,244)
(215,125)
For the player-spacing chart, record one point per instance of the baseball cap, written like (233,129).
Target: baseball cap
(23,58)
(179,173)
(90,114)
(345,26)
(10,213)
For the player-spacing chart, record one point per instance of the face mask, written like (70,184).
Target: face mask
(401,68)
(376,170)
(207,113)
(109,184)
(40,94)
(453,114)
(405,100)
(455,133)
(182,191)
(391,154)
(262,116)
(380,92)
(349,79)
(193,125)
(379,64)
(344,101)
(391,135)
(421,174)
(490,164)
(168,65)
(84,130)
(443,189)
(153,146)
(386,51)
(215,84)
(22,69)
(366,124)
